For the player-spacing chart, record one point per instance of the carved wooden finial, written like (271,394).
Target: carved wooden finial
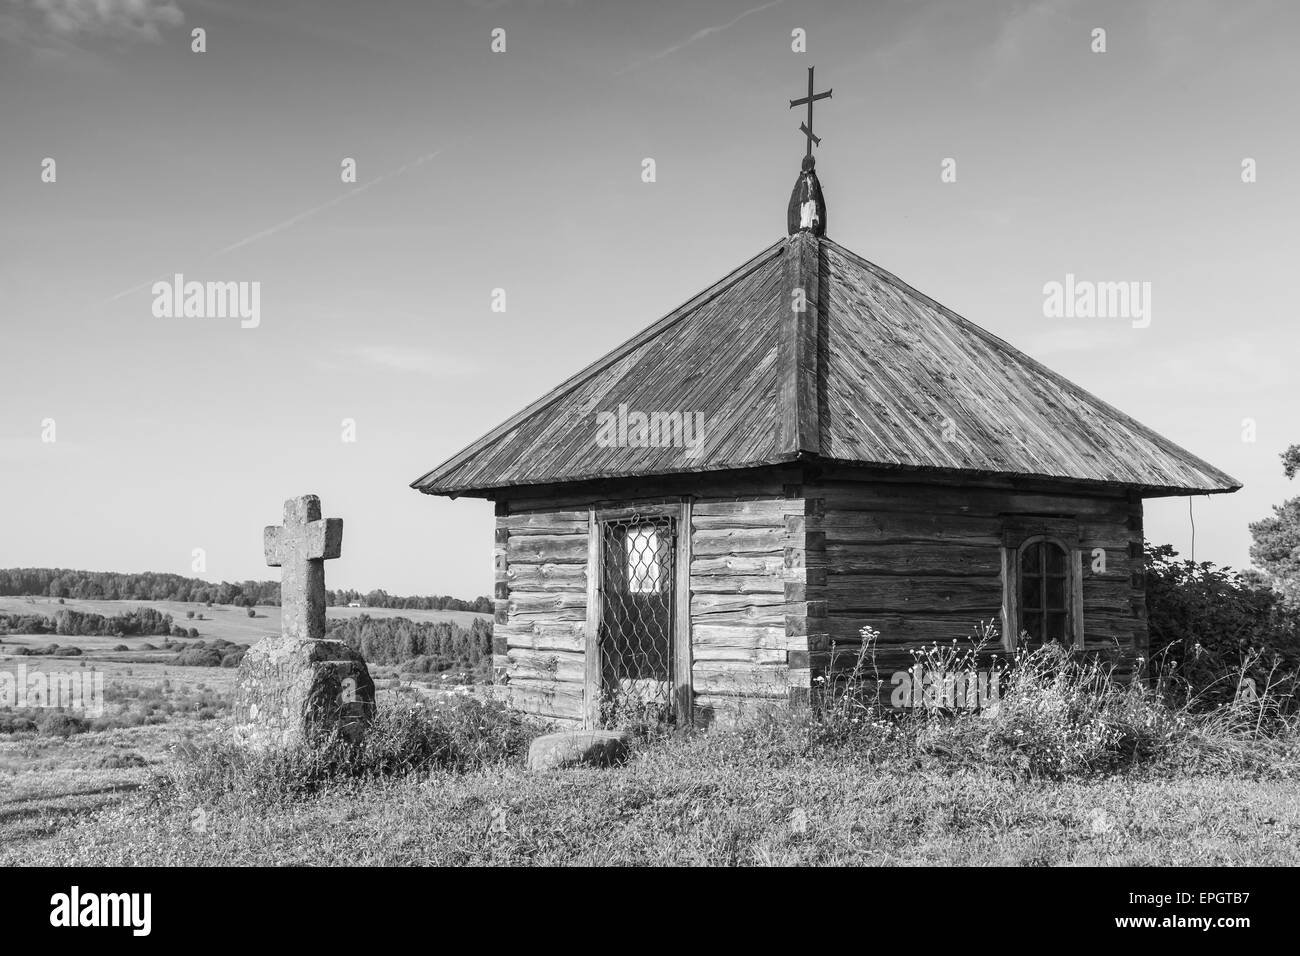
(807,209)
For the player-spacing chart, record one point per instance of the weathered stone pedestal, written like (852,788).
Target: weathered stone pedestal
(289,687)
(298,684)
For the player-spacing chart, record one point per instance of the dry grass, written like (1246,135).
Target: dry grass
(719,799)
(1137,786)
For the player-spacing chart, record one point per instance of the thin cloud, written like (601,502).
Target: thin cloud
(129,19)
(412,360)
(269,231)
(697,35)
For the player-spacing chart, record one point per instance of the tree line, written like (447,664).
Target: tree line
(140,622)
(162,586)
(423,646)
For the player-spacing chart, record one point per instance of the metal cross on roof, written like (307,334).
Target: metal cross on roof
(806,127)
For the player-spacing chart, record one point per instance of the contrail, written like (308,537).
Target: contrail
(697,35)
(294,220)
(357,190)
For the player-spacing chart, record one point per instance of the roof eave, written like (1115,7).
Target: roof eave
(1144,490)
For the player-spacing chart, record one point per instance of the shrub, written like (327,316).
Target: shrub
(16,724)
(121,761)
(457,735)
(199,657)
(189,615)
(121,647)
(1056,714)
(56,723)
(1212,630)
(252,612)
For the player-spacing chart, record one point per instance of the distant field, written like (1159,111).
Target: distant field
(220,621)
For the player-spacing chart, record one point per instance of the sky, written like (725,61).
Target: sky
(521,170)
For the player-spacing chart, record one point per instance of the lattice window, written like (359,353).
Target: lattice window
(643,560)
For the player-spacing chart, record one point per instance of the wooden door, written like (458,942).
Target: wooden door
(638,616)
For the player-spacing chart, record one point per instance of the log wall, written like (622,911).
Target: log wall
(784,573)
(924,564)
(747,570)
(541,609)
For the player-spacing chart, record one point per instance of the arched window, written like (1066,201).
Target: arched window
(1042,581)
(1045,591)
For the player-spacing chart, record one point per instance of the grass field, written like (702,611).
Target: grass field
(49,784)
(220,621)
(1052,779)
(721,799)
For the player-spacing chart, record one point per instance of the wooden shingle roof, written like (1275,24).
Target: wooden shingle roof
(871,372)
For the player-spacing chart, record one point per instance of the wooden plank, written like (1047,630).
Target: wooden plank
(533,637)
(739,636)
(798,422)
(639,510)
(728,652)
(591,678)
(922,558)
(725,521)
(555,666)
(1076,598)
(723,487)
(966,499)
(545,522)
(682,638)
(713,543)
(736,604)
(548,548)
(904,628)
(731,565)
(844,527)
(501,582)
(547,577)
(705,510)
(545,698)
(542,606)
(740,679)
(877,593)
(745,584)
(1010,598)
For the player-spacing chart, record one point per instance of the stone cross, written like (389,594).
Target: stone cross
(299,548)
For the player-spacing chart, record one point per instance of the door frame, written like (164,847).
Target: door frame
(680,512)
